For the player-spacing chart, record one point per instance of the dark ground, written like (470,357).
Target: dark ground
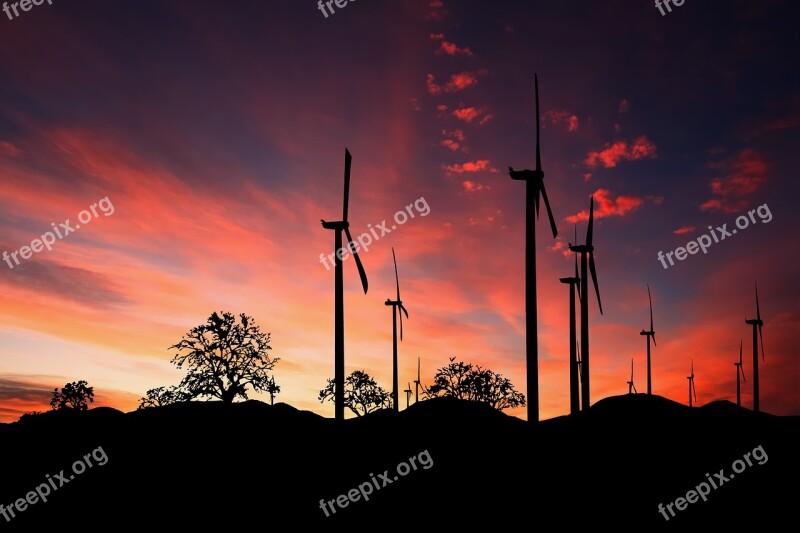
(206,466)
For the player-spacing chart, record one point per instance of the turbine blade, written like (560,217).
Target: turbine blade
(401,326)
(577,276)
(591,223)
(758,309)
(761,336)
(740,351)
(654,337)
(742,370)
(360,267)
(396,278)
(403,309)
(651,309)
(594,280)
(538,153)
(347,161)
(549,211)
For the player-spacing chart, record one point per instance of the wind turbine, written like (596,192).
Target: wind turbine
(574,400)
(739,371)
(587,250)
(631,386)
(756,323)
(417,383)
(395,304)
(534,187)
(338,227)
(691,387)
(408,395)
(649,334)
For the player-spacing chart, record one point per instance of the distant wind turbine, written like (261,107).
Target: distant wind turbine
(631,386)
(587,250)
(739,372)
(398,303)
(574,400)
(534,187)
(417,382)
(691,387)
(650,333)
(408,395)
(756,323)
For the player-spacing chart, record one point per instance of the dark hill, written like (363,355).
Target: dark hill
(204,466)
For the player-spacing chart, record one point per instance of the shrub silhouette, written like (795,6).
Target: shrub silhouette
(362,394)
(466,381)
(73,395)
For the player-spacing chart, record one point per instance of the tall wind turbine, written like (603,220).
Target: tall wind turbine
(534,187)
(408,395)
(649,334)
(587,250)
(395,304)
(574,400)
(739,372)
(338,227)
(417,383)
(631,386)
(756,323)
(691,387)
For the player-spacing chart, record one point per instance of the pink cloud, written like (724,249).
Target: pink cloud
(6,148)
(457,82)
(468,114)
(640,148)
(471,186)
(606,206)
(448,48)
(684,230)
(563,117)
(469,166)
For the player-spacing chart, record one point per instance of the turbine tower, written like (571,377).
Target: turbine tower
(574,400)
(756,323)
(739,372)
(408,395)
(631,386)
(691,387)
(649,334)
(338,227)
(398,303)
(587,250)
(417,383)
(534,187)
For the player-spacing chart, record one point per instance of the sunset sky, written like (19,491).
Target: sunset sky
(217,133)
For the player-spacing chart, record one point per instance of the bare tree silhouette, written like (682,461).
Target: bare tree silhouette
(466,381)
(75,395)
(161,396)
(223,357)
(362,394)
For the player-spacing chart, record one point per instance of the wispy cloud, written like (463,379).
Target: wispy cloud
(742,174)
(639,148)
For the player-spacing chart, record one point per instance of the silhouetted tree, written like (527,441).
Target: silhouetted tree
(75,395)
(466,381)
(223,357)
(362,394)
(161,396)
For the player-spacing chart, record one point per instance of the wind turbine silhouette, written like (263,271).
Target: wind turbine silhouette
(574,400)
(691,386)
(417,383)
(630,383)
(395,305)
(649,334)
(534,186)
(739,370)
(756,323)
(584,250)
(408,395)
(338,227)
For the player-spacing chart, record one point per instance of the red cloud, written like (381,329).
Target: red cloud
(684,230)
(448,48)
(471,186)
(469,166)
(457,82)
(437,10)
(640,148)
(468,114)
(6,148)
(563,117)
(744,174)
(608,207)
